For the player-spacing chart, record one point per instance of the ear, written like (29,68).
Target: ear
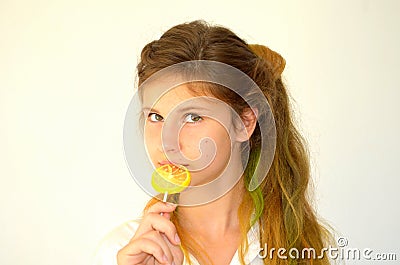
(249,120)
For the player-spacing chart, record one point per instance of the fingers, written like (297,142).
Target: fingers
(154,221)
(161,207)
(152,244)
(156,240)
(176,251)
(137,251)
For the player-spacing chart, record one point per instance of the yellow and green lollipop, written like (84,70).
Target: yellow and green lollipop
(170,179)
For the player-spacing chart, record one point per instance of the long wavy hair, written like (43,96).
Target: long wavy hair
(280,205)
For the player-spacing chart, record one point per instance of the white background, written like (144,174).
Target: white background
(67,75)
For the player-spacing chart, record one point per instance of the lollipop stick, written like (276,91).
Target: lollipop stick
(165,196)
(164,200)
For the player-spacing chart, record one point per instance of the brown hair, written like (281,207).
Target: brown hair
(280,203)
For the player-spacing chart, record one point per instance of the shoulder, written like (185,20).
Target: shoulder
(107,249)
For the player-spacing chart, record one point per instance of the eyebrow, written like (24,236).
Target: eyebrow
(149,109)
(183,109)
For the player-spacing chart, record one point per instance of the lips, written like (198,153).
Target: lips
(165,162)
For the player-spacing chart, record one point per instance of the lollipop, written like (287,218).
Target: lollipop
(170,179)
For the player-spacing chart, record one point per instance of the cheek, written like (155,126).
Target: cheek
(189,141)
(151,136)
(192,137)
(220,161)
(223,146)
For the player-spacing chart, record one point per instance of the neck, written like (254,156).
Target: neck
(217,218)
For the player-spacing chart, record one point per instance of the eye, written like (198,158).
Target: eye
(154,117)
(192,118)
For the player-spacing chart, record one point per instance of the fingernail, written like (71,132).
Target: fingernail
(165,258)
(170,204)
(177,239)
(173,263)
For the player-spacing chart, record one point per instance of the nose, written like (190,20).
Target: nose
(168,147)
(169,141)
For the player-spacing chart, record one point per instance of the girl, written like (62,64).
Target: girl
(243,226)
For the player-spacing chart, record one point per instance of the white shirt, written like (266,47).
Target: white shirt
(106,253)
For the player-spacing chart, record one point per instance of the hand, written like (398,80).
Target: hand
(155,241)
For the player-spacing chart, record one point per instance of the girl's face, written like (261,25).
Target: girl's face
(196,132)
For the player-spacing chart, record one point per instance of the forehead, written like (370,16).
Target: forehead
(155,95)
(178,97)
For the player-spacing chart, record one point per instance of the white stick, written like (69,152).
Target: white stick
(165,197)
(164,200)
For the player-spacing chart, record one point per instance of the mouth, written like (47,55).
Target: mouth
(166,162)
